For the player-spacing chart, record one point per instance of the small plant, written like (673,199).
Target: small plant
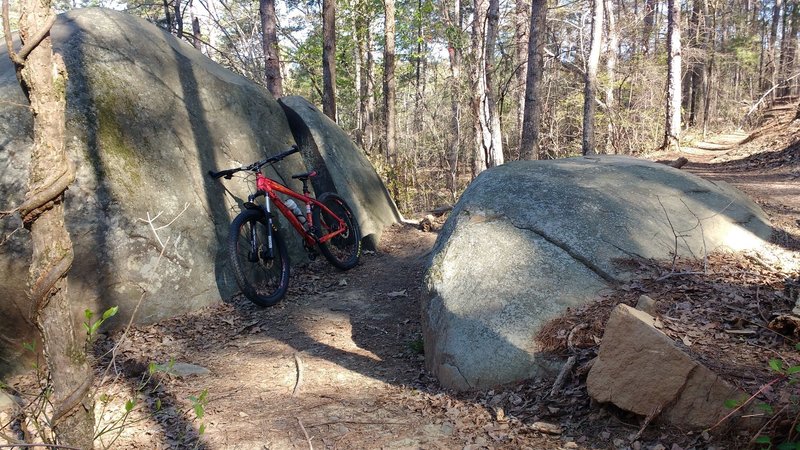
(781,438)
(417,346)
(199,406)
(92,327)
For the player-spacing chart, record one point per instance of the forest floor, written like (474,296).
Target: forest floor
(339,364)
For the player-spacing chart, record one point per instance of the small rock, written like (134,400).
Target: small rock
(658,446)
(186,369)
(619,443)
(571,445)
(6,401)
(605,435)
(637,445)
(647,304)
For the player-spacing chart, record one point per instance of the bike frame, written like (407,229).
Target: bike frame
(269,187)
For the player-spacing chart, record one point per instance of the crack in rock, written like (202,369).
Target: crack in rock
(569,251)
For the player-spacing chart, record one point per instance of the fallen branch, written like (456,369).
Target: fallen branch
(299,364)
(653,414)
(545,427)
(308,439)
(746,402)
(562,375)
(575,329)
(355,422)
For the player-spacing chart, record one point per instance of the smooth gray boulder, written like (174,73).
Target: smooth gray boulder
(147,117)
(529,239)
(342,167)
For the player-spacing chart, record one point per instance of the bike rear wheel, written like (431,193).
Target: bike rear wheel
(263,280)
(343,250)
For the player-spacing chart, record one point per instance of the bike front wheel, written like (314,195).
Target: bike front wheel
(263,278)
(344,249)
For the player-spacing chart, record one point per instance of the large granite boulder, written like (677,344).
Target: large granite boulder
(147,117)
(342,167)
(529,239)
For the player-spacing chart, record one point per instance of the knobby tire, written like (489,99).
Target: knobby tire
(344,250)
(263,281)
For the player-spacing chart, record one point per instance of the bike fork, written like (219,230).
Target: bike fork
(256,252)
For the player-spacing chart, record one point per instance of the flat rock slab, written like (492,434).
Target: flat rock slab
(529,239)
(640,369)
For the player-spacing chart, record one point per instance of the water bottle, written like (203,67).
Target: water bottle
(295,210)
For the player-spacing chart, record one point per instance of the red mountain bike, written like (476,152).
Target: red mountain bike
(256,249)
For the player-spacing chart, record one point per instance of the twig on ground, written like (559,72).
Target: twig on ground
(355,422)
(308,439)
(653,414)
(562,375)
(299,364)
(746,402)
(8,236)
(575,329)
(546,428)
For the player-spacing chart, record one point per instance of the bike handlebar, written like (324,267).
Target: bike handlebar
(256,166)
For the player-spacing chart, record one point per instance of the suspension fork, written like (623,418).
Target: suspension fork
(269,252)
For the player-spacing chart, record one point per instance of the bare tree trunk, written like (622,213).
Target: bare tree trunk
(672,129)
(774,45)
(792,49)
(611,66)
(364,76)
(455,24)
(269,42)
(389,84)
(494,157)
(42,212)
(590,83)
(329,58)
(529,143)
(196,35)
(647,29)
(178,19)
(488,143)
(521,29)
(788,46)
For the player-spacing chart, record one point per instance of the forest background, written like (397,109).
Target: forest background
(451,77)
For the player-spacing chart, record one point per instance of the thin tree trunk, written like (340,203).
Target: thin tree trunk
(529,143)
(488,143)
(611,66)
(494,157)
(42,212)
(774,45)
(389,83)
(590,82)
(178,20)
(647,29)
(196,35)
(672,129)
(269,42)
(365,83)
(329,58)
(522,27)
(455,24)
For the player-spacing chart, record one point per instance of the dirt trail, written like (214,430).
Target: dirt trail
(338,363)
